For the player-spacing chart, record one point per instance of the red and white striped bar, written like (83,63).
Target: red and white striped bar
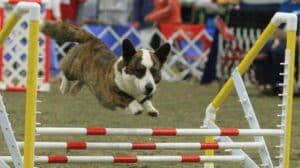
(158,131)
(73,145)
(131,159)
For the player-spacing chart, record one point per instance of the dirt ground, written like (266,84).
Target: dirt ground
(181,105)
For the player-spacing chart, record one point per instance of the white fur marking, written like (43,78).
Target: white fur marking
(134,107)
(65,85)
(126,83)
(149,107)
(148,63)
(146,59)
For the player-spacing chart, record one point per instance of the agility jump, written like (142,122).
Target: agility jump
(288,88)
(33,10)
(284,132)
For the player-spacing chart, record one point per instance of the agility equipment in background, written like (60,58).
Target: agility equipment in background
(237,155)
(287,94)
(13,55)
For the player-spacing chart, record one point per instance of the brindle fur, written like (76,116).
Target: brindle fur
(90,62)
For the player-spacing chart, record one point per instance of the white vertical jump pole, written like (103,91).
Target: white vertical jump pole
(288,85)
(9,137)
(3,164)
(251,117)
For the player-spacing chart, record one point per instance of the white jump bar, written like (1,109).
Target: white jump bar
(143,146)
(158,131)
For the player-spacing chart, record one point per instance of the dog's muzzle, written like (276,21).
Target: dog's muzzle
(148,89)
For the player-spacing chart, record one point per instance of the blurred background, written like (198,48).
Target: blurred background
(209,37)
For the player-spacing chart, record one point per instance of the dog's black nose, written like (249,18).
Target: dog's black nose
(148,88)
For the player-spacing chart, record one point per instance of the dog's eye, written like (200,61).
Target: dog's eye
(156,74)
(141,69)
(154,71)
(129,70)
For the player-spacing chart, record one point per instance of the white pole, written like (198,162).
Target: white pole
(159,131)
(71,131)
(3,164)
(143,146)
(131,159)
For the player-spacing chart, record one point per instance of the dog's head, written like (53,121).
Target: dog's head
(141,68)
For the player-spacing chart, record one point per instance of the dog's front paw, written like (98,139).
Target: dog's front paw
(135,108)
(65,86)
(75,88)
(63,89)
(153,113)
(137,113)
(150,109)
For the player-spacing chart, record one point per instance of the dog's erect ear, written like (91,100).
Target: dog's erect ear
(162,52)
(128,51)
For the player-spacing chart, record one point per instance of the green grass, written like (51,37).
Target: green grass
(181,105)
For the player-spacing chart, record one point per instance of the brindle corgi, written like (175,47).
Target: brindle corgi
(127,82)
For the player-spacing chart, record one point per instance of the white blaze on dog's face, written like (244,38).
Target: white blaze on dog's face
(141,69)
(146,82)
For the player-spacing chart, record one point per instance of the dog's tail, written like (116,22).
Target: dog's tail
(64,32)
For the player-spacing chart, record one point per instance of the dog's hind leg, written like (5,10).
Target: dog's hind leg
(65,85)
(150,109)
(76,87)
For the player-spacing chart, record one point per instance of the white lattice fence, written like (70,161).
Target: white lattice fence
(188,55)
(232,52)
(108,35)
(14,53)
(191,46)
